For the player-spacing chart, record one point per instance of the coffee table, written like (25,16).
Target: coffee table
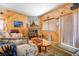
(40,42)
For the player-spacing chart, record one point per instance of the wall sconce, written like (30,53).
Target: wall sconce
(62,13)
(2,11)
(57,18)
(48,18)
(74,6)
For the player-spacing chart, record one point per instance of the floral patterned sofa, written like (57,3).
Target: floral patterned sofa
(27,50)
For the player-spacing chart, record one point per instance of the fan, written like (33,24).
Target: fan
(74,6)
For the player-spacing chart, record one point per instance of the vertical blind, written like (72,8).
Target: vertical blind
(71,30)
(76,30)
(68,29)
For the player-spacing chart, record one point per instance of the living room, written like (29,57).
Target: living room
(39,29)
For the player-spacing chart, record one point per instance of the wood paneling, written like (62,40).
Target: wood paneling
(65,9)
(11,16)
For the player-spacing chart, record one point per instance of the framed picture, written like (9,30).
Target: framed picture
(18,23)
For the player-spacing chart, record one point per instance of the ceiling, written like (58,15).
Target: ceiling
(31,9)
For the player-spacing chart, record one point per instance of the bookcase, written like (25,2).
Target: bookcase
(32,32)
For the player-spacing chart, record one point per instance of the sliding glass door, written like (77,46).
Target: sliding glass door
(76,30)
(70,30)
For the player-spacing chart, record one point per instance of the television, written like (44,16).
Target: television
(18,23)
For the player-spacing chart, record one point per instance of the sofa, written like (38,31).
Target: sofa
(19,50)
(27,50)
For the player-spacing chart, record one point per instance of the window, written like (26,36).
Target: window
(76,30)
(2,23)
(50,25)
(70,30)
(45,25)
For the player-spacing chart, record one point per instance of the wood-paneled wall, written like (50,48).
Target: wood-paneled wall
(11,16)
(56,13)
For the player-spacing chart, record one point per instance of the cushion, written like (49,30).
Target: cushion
(16,35)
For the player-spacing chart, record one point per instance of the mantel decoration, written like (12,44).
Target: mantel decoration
(33,24)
